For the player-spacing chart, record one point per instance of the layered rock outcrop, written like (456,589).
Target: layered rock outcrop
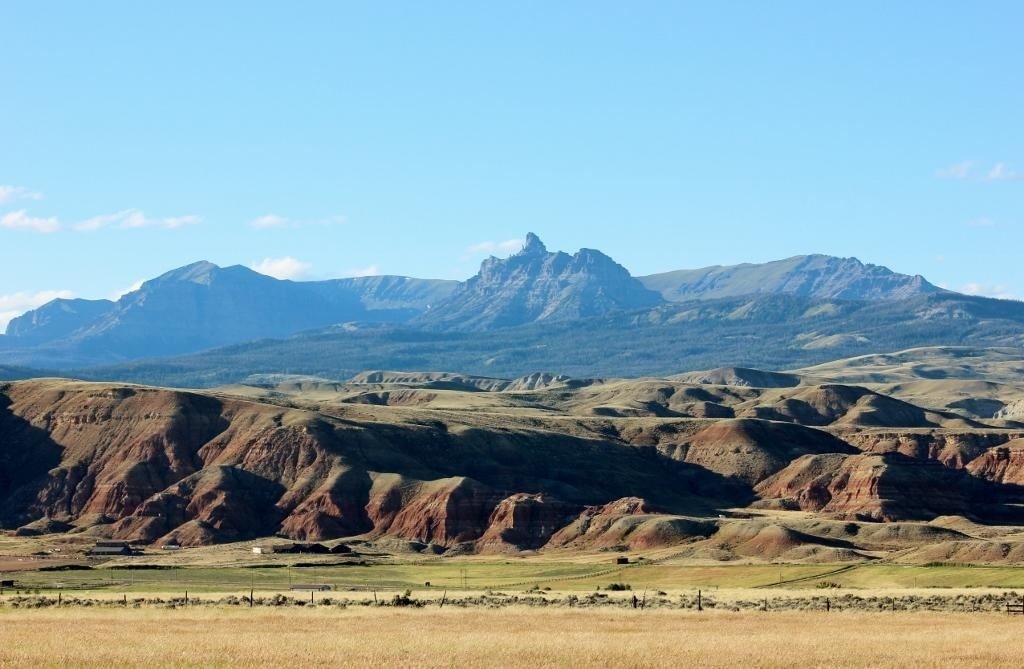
(885,487)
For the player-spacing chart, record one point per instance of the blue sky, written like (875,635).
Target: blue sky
(327,139)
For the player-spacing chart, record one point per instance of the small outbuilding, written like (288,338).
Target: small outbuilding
(111,549)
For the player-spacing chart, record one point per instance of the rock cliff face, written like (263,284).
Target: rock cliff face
(1001,464)
(535,285)
(525,522)
(954,449)
(877,487)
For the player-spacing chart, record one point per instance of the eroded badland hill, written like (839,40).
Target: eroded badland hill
(714,463)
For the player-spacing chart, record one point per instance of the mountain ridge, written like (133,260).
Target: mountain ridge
(814,275)
(202,307)
(762,332)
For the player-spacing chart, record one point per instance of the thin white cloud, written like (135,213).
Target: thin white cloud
(988,290)
(507,247)
(14,193)
(276,221)
(973,170)
(134,219)
(283,268)
(15,304)
(269,221)
(982,223)
(21,220)
(1000,172)
(961,170)
(371,270)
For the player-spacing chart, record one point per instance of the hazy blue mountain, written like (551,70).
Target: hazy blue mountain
(201,306)
(57,319)
(820,276)
(535,285)
(759,331)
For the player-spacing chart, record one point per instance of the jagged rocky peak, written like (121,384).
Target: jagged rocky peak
(538,285)
(533,246)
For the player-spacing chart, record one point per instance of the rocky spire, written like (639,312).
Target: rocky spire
(533,246)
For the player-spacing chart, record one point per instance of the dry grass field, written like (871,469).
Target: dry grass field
(510,637)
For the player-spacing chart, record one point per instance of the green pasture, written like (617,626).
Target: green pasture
(482,575)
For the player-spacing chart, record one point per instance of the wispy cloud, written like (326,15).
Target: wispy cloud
(269,221)
(283,268)
(973,170)
(981,223)
(506,247)
(15,304)
(370,270)
(14,193)
(961,170)
(277,221)
(21,220)
(988,290)
(1000,172)
(134,219)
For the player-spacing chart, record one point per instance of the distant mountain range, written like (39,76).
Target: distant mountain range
(516,311)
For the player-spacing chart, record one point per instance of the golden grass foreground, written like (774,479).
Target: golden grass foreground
(510,637)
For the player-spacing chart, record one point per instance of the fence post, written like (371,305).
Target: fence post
(828,605)
(250,599)
(700,606)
